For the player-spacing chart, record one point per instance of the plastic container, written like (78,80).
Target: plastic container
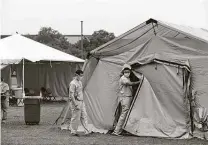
(19,96)
(32,109)
(18,92)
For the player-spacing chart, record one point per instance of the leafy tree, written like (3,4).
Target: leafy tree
(55,39)
(97,39)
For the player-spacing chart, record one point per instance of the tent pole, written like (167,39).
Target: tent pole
(23,77)
(82,40)
(85,63)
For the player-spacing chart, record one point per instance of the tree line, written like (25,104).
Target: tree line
(55,39)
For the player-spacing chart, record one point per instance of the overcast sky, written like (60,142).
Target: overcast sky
(118,16)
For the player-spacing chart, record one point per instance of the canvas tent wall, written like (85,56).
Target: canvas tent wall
(55,75)
(44,66)
(6,73)
(166,53)
(5,68)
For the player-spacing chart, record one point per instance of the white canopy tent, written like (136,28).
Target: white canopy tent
(18,48)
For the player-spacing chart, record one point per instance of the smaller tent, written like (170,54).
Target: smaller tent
(41,65)
(18,47)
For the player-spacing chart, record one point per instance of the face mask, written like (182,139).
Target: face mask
(127,74)
(80,78)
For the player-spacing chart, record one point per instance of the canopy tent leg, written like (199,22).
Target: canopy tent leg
(23,77)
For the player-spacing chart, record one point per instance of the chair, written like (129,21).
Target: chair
(44,93)
(47,94)
(50,95)
(12,99)
(27,91)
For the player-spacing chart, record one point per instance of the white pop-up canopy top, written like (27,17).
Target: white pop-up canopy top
(17,48)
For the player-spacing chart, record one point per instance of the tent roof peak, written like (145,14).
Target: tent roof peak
(195,33)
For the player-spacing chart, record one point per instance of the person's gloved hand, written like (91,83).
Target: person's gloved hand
(76,107)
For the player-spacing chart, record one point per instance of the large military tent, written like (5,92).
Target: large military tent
(172,63)
(37,65)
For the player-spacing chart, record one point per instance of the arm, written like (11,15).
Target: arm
(7,93)
(72,93)
(129,83)
(132,83)
(5,90)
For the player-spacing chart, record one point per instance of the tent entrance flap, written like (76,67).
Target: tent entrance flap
(161,106)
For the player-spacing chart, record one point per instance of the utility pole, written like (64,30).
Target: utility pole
(82,40)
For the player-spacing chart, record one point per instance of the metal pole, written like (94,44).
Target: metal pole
(23,77)
(82,40)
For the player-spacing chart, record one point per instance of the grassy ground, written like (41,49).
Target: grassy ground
(16,132)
